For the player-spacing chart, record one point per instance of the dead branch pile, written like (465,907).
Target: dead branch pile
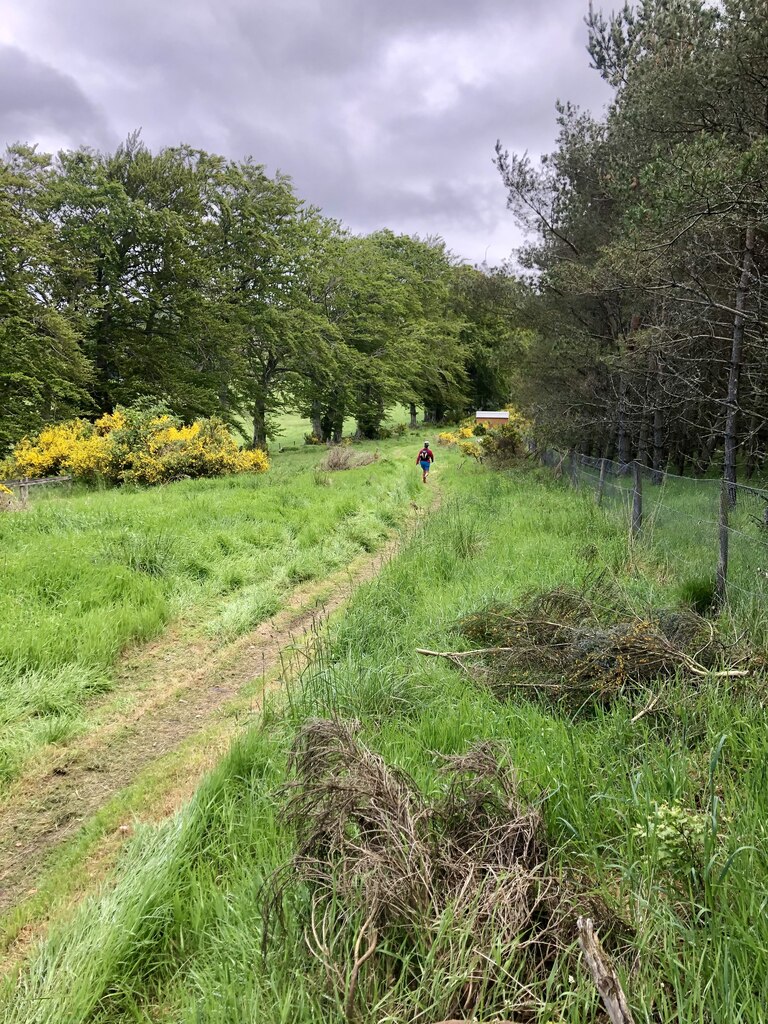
(459,886)
(341,457)
(555,643)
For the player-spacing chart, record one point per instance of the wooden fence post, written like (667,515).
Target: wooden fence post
(601,481)
(721,580)
(572,471)
(637,499)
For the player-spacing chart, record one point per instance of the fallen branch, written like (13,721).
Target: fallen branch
(646,710)
(360,959)
(603,974)
(683,659)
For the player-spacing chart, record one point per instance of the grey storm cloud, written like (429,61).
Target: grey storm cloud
(37,99)
(384,112)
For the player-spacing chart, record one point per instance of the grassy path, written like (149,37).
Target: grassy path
(174,705)
(179,686)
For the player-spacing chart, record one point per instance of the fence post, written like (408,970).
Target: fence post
(601,481)
(721,580)
(637,499)
(24,491)
(572,471)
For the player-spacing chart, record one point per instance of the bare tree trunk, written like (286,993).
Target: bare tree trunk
(642,441)
(412,410)
(734,370)
(658,427)
(622,440)
(316,417)
(259,413)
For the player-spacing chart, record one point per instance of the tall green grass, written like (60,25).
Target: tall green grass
(178,937)
(681,532)
(82,576)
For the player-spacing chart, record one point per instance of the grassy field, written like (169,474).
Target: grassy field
(293,429)
(179,934)
(86,574)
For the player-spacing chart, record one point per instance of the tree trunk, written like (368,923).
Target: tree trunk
(622,438)
(412,410)
(316,419)
(658,428)
(642,442)
(332,425)
(259,413)
(734,370)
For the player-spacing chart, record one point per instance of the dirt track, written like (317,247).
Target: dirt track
(174,688)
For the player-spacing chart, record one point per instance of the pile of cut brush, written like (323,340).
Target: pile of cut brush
(421,909)
(555,643)
(341,457)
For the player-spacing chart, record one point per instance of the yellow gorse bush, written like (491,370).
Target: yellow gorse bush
(446,437)
(517,420)
(471,449)
(136,446)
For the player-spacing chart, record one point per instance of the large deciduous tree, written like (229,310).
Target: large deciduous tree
(43,373)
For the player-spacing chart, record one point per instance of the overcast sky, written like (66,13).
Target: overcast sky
(384,112)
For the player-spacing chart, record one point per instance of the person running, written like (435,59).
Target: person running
(425,458)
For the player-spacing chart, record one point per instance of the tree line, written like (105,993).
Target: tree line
(649,244)
(208,285)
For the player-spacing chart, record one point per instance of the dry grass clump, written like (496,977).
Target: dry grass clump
(456,890)
(341,457)
(556,642)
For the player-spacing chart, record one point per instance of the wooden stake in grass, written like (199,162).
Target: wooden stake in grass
(601,481)
(721,582)
(637,499)
(604,976)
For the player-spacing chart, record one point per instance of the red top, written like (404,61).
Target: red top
(425,455)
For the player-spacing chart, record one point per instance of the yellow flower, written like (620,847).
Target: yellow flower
(152,451)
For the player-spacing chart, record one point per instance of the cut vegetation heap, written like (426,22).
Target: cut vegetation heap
(342,457)
(555,643)
(393,877)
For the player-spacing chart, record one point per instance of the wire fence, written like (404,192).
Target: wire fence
(691,523)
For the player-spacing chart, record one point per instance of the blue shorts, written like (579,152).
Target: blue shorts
(425,464)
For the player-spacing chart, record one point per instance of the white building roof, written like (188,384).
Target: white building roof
(503,415)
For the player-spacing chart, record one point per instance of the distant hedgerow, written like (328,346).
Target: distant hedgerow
(134,445)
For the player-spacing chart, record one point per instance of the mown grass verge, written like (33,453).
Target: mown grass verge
(85,575)
(662,822)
